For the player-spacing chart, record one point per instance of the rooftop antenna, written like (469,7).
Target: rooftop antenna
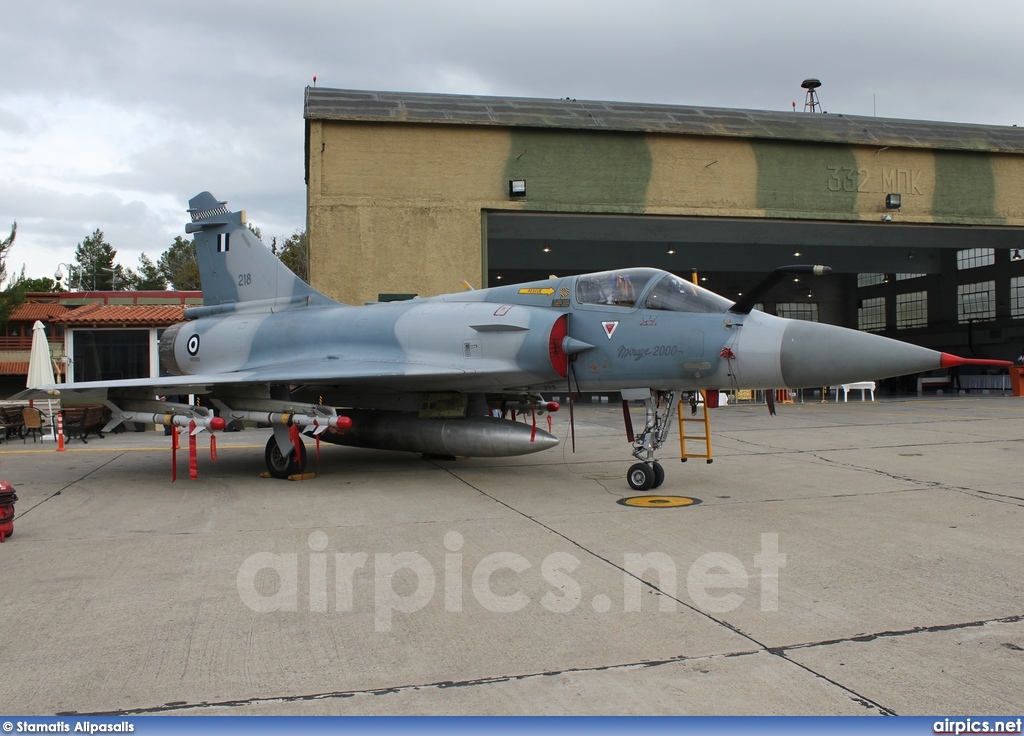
(811,103)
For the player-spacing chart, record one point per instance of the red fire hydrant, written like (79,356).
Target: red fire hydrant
(7,499)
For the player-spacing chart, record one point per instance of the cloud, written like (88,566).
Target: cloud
(118,112)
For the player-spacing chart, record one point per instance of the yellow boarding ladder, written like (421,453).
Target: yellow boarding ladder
(706,437)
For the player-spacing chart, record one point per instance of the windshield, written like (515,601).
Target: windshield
(674,294)
(618,288)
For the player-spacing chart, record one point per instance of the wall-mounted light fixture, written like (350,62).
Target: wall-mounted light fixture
(517,188)
(893,201)
(1017,255)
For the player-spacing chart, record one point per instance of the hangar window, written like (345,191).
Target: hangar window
(870,279)
(975,257)
(905,276)
(797,310)
(1017,297)
(871,314)
(976,301)
(617,288)
(912,310)
(678,295)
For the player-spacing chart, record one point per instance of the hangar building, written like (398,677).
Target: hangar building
(922,222)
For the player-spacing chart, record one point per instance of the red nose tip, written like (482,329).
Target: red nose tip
(553,406)
(951,361)
(217,423)
(344,423)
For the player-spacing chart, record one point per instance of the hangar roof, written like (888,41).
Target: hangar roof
(408,107)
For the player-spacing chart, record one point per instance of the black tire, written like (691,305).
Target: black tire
(280,466)
(640,477)
(659,474)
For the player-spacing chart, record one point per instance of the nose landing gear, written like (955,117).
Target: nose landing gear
(648,473)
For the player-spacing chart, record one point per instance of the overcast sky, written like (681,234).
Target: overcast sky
(114,114)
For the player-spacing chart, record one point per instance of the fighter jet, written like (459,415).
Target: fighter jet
(440,375)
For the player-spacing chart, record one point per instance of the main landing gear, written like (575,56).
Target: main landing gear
(280,465)
(648,473)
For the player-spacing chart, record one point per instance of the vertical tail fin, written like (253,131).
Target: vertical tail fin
(234,265)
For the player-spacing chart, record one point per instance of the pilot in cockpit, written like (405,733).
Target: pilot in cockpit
(624,294)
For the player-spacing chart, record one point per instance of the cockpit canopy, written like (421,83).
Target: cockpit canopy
(622,288)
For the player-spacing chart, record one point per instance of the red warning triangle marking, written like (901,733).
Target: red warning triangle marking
(609,328)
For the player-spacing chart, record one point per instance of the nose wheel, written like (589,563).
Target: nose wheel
(645,476)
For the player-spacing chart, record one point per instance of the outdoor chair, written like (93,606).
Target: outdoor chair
(33,423)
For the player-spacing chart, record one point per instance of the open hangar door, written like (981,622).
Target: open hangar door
(729,255)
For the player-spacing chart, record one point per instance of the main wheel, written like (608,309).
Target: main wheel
(659,474)
(280,465)
(640,477)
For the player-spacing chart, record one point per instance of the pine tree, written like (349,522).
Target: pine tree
(149,277)
(295,254)
(178,265)
(97,270)
(5,247)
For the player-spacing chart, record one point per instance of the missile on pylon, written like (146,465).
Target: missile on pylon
(318,423)
(202,422)
(538,406)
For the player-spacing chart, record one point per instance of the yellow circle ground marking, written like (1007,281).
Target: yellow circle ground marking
(658,502)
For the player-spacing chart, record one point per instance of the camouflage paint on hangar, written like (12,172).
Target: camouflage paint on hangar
(622,172)
(581,169)
(800,180)
(965,189)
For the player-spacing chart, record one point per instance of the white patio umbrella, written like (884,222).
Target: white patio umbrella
(40,365)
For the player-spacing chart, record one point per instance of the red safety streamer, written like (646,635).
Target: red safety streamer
(572,417)
(549,422)
(193,465)
(628,421)
(533,432)
(293,435)
(213,447)
(174,454)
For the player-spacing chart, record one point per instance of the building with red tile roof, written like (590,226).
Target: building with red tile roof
(122,315)
(95,333)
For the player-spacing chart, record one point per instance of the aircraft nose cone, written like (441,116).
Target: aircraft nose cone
(813,354)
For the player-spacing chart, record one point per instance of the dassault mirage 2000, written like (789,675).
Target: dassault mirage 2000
(426,375)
